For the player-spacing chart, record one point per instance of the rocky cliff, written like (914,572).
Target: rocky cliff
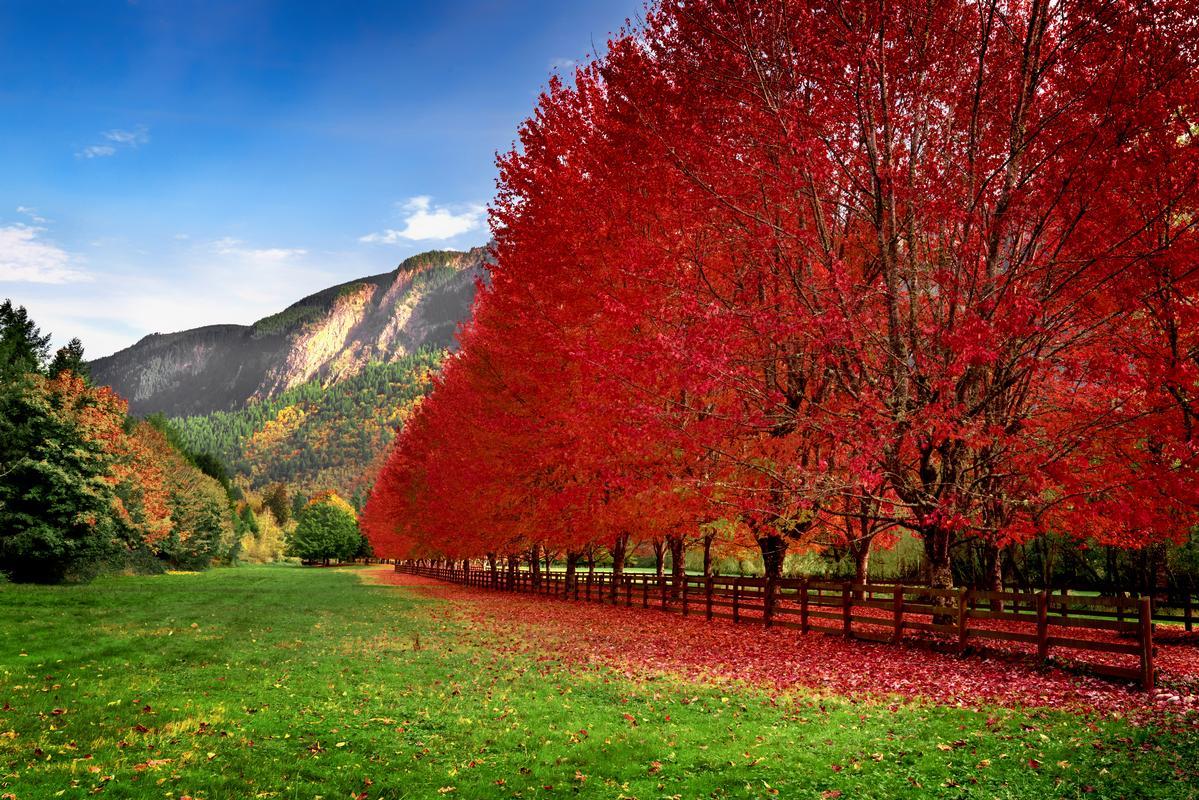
(329,336)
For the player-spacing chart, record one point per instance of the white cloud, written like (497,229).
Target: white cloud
(32,214)
(120,138)
(25,257)
(236,248)
(424,221)
(198,283)
(96,151)
(138,136)
(564,64)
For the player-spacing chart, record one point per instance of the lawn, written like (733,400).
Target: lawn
(284,682)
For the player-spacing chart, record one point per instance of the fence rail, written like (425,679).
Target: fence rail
(876,612)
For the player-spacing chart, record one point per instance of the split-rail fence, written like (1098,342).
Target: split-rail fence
(1039,622)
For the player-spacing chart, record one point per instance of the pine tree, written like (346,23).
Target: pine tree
(23,346)
(70,357)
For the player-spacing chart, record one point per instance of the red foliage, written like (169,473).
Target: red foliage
(803,264)
(135,475)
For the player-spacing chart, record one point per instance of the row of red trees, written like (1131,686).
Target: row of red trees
(828,269)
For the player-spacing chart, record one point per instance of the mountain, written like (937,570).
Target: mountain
(321,340)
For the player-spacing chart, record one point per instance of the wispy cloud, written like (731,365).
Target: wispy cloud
(196,285)
(237,248)
(96,151)
(32,214)
(564,64)
(27,257)
(424,221)
(193,283)
(132,139)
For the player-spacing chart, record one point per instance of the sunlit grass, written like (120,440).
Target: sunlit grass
(293,683)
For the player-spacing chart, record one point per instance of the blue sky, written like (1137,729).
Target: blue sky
(168,164)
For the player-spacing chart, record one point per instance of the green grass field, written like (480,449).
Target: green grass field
(283,682)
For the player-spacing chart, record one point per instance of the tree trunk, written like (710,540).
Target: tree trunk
(708,555)
(774,552)
(572,562)
(861,565)
(678,564)
(994,577)
(535,565)
(549,560)
(513,564)
(659,555)
(936,550)
(619,548)
(491,565)
(940,569)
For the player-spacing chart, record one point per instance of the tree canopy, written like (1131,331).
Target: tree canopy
(829,269)
(326,530)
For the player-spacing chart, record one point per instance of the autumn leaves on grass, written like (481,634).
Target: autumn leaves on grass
(648,645)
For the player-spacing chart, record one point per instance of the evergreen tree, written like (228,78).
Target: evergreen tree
(70,357)
(23,346)
(298,501)
(56,496)
(275,499)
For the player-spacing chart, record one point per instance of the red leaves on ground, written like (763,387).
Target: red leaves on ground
(638,644)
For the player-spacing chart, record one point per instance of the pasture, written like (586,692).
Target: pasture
(284,682)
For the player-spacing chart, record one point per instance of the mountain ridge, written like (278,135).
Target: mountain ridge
(327,336)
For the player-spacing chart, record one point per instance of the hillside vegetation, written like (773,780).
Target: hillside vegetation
(316,437)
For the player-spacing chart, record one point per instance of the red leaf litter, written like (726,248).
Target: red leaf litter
(640,643)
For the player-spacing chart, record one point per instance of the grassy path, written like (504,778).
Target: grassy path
(280,682)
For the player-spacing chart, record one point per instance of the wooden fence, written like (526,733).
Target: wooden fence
(1167,607)
(1037,621)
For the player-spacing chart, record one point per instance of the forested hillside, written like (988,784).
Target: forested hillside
(314,438)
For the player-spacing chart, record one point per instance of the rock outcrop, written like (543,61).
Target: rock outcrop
(328,336)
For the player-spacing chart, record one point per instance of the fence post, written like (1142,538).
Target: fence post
(628,590)
(662,590)
(803,606)
(686,581)
(898,614)
(963,614)
(1043,625)
(1148,674)
(708,586)
(736,600)
(1186,611)
(644,592)
(846,610)
(1065,605)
